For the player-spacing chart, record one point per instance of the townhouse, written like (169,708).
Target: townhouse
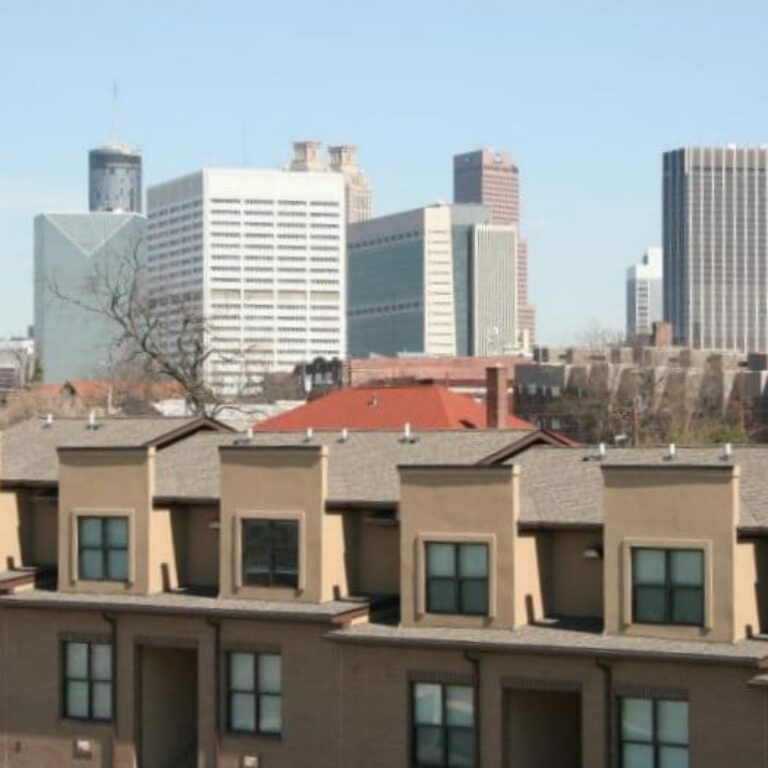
(178,595)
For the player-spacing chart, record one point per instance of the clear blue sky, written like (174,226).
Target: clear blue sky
(585,94)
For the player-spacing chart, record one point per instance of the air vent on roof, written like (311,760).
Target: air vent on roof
(309,435)
(344,435)
(727,452)
(408,436)
(599,456)
(48,423)
(92,423)
(671,454)
(245,439)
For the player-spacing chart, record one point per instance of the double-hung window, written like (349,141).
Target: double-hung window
(668,586)
(270,553)
(102,544)
(654,733)
(87,681)
(254,683)
(443,723)
(457,578)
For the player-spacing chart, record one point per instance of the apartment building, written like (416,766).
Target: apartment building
(259,256)
(463,598)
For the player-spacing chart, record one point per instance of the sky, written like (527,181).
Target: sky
(586,96)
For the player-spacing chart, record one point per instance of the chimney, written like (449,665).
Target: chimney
(496,409)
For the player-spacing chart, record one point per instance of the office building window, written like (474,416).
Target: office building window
(270,553)
(255,693)
(654,733)
(102,548)
(668,586)
(443,719)
(457,578)
(87,683)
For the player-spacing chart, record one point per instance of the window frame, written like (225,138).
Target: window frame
(256,692)
(457,579)
(443,726)
(655,743)
(271,523)
(90,680)
(104,548)
(670,589)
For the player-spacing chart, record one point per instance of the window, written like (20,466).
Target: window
(103,548)
(87,681)
(443,725)
(270,553)
(654,733)
(255,692)
(457,578)
(668,586)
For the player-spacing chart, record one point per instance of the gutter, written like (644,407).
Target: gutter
(607,671)
(474,660)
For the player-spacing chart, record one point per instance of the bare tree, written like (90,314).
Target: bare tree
(164,335)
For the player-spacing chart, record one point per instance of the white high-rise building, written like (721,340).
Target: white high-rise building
(261,256)
(645,304)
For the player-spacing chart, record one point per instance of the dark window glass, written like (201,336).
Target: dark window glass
(270,553)
(103,548)
(457,578)
(654,733)
(443,725)
(254,692)
(87,681)
(668,586)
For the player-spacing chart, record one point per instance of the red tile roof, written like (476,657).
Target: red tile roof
(424,406)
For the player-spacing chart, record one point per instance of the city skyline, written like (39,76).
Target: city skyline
(582,130)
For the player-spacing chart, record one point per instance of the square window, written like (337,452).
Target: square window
(270,553)
(102,548)
(654,733)
(457,578)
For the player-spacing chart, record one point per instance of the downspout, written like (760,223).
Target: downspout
(474,660)
(111,619)
(607,671)
(215,624)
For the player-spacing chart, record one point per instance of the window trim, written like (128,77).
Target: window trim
(627,606)
(454,538)
(655,742)
(237,550)
(228,691)
(89,641)
(444,683)
(74,536)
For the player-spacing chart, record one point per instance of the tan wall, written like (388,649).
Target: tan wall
(476,504)
(46,524)
(108,481)
(672,506)
(202,546)
(530,562)
(336,556)
(10,530)
(163,564)
(746,599)
(576,583)
(377,556)
(281,483)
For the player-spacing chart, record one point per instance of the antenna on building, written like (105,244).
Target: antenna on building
(114,126)
(244,137)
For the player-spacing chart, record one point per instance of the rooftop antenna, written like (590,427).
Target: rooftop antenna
(113,129)
(244,129)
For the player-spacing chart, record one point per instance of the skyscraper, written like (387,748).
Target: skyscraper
(434,280)
(490,178)
(262,254)
(358,192)
(644,294)
(358,195)
(114,179)
(715,220)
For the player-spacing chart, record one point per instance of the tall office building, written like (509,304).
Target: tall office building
(491,178)
(716,247)
(114,179)
(644,294)
(71,342)
(435,281)
(260,254)
(358,192)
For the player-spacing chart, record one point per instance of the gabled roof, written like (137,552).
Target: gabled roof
(424,407)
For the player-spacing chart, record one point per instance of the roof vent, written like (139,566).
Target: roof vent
(344,435)
(92,423)
(599,456)
(727,452)
(48,423)
(408,436)
(373,401)
(309,435)
(671,453)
